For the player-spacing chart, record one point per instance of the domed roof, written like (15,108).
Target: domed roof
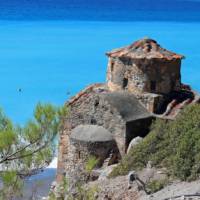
(144,48)
(91,133)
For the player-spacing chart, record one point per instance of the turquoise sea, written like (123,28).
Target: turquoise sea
(51,60)
(50,50)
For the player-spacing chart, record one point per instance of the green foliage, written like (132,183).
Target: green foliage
(7,132)
(12,185)
(156,185)
(171,144)
(86,193)
(24,150)
(63,188)
(91,163)
(82,193)
(8,177)
(52,196)
(91,193)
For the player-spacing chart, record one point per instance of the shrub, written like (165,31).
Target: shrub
(86,194)
(156,185)
(171,144)
(28,149)
(52,196)
(81,192)
(91,163)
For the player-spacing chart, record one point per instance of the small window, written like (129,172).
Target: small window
(153,86)
(79,155)
(125,82)
(112,67)
(93,121)
(96,103)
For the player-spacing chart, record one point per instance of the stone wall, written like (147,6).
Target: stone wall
(144,75)
(62,153)
(152,102)
(137,128)
(90,108)
(80,151)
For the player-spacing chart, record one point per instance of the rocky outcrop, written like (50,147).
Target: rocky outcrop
(123,188)
(134,142)
(116,189)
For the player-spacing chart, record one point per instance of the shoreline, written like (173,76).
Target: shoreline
(38,185)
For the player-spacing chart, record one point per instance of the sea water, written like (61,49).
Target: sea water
(50,50)
(49,61)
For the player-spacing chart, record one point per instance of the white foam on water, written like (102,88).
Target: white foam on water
(53,164)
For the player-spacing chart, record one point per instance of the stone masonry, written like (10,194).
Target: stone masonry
(143,82)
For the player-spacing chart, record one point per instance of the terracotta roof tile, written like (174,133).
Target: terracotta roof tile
(97,86)
(144,48)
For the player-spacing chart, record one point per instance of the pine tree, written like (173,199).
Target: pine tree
(28,149)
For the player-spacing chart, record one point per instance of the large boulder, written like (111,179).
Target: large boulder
(134,142)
